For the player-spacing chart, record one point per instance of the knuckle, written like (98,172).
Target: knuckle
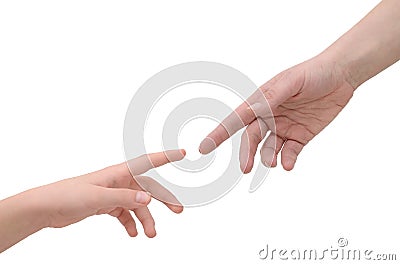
(147,219)
(270,94)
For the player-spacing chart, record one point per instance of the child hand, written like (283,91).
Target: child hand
(111,191)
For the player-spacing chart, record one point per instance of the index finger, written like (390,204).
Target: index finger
(239,118)
(146,162)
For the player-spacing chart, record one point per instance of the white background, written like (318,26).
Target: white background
(68,70)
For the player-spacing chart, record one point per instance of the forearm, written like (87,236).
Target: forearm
(20,216)
(370,46)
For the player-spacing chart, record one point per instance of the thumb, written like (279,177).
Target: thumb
(125,198)
(283,86)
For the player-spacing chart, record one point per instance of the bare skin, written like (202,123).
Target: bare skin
(304,99)
(111,191)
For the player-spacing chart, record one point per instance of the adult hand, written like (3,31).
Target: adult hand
(307,97)
(302,100)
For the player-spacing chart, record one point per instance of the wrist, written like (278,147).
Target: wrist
(337,67)
(36,207)
(370,46)
(20,216)
(344,65)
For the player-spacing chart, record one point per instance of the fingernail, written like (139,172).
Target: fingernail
(266,164)
(142,197)
(207,145)
(183,151)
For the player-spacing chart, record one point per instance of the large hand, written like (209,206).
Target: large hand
(303,99)
(110,191)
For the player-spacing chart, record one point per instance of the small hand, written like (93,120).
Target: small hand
(111,191)
(303,100)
